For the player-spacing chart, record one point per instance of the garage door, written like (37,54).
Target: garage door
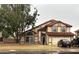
(55,40)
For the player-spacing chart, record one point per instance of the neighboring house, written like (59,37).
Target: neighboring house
(48,33)
(77,33)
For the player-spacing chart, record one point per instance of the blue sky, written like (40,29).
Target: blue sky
(68,13)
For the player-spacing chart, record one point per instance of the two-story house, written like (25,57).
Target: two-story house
(48,33)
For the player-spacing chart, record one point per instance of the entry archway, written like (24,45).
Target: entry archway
(29,37)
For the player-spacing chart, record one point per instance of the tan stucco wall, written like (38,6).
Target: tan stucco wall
(49,40)
(54,40)
(59,29)
(68,29)
(36,39)
(49,29)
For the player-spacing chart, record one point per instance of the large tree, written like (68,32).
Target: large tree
(14,18)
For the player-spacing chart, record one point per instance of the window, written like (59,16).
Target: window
(63,29)
(54,29)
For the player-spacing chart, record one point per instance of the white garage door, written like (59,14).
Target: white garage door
(56,39)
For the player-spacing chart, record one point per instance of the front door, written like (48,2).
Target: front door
(43,41)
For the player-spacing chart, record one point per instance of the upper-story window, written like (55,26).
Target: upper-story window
(63,29)
(54,29)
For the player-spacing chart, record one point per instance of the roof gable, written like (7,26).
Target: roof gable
(53,23)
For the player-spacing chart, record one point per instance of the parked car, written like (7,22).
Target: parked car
(75,42)
(64,43)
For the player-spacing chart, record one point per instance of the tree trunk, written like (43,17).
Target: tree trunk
(17,38)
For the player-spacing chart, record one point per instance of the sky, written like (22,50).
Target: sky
(68,13)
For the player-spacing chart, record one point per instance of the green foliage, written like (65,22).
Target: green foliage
(14,18)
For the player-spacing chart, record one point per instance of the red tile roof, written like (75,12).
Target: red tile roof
(60,34)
